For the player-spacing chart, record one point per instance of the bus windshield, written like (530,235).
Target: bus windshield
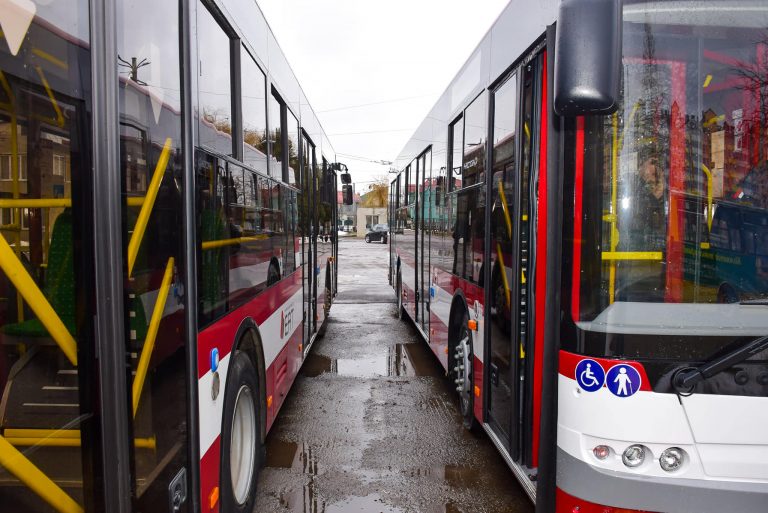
(671,224)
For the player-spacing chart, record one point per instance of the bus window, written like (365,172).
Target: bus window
(455,153)
(214,93)
(277,163)
(675,183)
(292,139)
(253,85)
(475,134)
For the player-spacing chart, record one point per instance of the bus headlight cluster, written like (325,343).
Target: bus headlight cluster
(672,459)
(634,455)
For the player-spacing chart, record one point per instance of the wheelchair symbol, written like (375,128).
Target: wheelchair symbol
(590,375)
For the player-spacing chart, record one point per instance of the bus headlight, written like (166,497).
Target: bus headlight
(633,456)
(672,459)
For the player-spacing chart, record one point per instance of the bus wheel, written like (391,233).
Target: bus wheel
(399,292)
(463,376)
(273,274)
(240,437)
(368,239)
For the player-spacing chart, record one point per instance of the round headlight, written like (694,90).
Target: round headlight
(672,459)
(633,456)
(601,452)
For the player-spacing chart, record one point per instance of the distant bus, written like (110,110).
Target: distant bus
(167,205)
(580,234)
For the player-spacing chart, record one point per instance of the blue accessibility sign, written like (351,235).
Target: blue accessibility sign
(590,375)
(623,380)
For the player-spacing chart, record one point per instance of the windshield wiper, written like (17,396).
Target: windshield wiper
(763,301)
(686,379)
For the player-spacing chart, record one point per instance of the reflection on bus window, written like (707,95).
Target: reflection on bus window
(45,384)
(676,182)
(214,86)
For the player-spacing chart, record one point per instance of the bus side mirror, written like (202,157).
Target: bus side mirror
(346,192)
(439,188)
(346,178)
(588,57)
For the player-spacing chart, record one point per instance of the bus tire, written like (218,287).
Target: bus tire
(463,373)
(368,239)
(241,454)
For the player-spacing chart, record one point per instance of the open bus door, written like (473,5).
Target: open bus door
(513,189)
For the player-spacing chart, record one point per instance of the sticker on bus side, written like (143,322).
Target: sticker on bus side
(590,375)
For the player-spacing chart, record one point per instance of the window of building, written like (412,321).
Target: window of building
(5,166)
(59,165)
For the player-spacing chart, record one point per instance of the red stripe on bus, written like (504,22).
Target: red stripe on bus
(209,476)
(567,503)
(569,361)
(541,269)
(221,334)
(577,221)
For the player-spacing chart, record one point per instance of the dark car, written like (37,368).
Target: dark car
(378,233)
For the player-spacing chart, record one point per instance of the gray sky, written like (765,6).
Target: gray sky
(373,69)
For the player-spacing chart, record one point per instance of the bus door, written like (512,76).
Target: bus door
(426,191)
(511,240)
(306,210)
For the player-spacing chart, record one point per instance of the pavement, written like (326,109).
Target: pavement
(371,423)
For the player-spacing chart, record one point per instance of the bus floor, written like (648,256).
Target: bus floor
(371,423)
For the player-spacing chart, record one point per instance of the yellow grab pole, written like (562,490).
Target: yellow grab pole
(148,205)
(36,300)
(59,115)
(614,186)
(36,203)
(631,255)
(149,342)
(213,244)
(26,472)
(505,208)
(503,275)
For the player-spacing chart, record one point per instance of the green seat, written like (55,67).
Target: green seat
(59,283)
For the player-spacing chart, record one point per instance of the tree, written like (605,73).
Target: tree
(377,195)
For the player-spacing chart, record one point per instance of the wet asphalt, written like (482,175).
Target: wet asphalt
(371,424)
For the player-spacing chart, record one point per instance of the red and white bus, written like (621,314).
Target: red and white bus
(580,233)
(168,251)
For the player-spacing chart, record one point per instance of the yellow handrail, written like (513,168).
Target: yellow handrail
(131,201)
(59,115)
(35,479)
(60,438)
(213,244)
(631,255)
(36,300)
(149,203)
(149,342)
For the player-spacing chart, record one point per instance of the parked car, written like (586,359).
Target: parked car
(378,233)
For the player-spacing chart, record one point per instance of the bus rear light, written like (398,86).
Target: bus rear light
(601,452)
(672,459)
(634,455)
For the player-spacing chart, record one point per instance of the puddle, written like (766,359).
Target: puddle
(401,360)
(300,457)
(306,501)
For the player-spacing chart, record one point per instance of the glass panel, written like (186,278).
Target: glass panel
(455,154)
(276,133)
(475,133)
(254,87)
(45,369)
(291,244)
(151,163)
(213,270)
(675,192)
(214,88)
(293,148)
(247,272)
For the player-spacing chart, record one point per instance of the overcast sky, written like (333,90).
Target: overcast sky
(373,69)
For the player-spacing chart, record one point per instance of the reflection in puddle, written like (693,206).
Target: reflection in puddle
(406,360)
(282,454)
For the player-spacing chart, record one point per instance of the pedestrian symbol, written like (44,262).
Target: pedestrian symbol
(623,380)
(590,375)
